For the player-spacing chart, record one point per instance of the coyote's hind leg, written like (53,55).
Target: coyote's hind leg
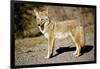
(76,39)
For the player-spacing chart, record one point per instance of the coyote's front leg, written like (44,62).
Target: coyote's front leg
(50,46)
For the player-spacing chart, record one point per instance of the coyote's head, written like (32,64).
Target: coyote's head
(42,17)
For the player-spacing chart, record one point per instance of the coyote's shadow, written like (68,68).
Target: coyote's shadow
(85,49)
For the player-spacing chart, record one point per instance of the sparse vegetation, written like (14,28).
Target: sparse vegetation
(24,22)
(30,41)
(89,29)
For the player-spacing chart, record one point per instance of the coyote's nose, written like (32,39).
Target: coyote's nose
(38,24)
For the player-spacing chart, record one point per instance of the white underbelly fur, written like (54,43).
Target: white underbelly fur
(59,35)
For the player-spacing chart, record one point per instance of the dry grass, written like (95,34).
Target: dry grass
(89,29)
(30,41)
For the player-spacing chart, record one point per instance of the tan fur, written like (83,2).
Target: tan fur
(59,30)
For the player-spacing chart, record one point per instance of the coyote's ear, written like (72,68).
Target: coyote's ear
(46,10)
(36,12)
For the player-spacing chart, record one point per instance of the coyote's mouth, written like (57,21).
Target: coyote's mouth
(42,27)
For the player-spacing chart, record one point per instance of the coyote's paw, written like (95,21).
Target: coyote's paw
(77,54)
(47,57)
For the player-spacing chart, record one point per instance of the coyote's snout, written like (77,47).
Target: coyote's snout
(59,30)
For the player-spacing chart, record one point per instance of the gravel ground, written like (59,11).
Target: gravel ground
(63,53)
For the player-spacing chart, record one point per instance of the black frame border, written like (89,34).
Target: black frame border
(12,43)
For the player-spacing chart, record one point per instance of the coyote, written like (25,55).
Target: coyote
(59,30)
